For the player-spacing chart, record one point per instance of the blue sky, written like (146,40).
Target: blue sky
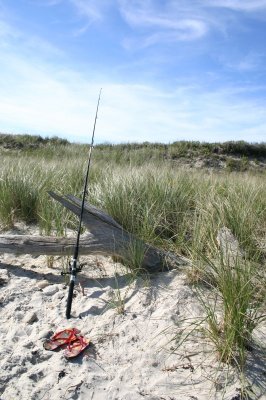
(170,70)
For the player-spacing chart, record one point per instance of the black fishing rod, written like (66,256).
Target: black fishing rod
(74,267)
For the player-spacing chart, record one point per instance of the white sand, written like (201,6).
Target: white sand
(130,356)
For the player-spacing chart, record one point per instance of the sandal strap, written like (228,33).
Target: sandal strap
(71,335)
(79,341)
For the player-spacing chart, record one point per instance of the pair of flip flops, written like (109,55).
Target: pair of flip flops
(71,339)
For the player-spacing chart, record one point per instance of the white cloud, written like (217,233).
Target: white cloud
(150,19)
(250,62)
(169,24)
(243,63)
(93,10)
(6,31)
(241,5)
(38,98)
(13,38)
(88,9)
(185,30)
(160,25)
(170,21)
(47,3)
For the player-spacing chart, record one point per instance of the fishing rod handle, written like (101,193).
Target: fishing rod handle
(69,299)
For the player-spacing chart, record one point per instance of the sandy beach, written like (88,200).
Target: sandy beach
(132,327)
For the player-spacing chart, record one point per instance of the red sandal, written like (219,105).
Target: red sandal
(66,336)
(75,348)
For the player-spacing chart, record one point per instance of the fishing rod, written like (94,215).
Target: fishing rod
(74,267)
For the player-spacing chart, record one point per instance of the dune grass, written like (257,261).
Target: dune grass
(234,307)
(174,208)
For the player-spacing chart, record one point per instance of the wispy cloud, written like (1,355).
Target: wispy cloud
(240,5)
(161,25)
(90,12)
(11,38)
(93,10)
(6,31)
(47,3)
(250,62)
(46,100)
(187,31)
(155,22)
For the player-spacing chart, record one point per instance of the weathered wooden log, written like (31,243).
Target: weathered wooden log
(50,245)
(229,246)
(105,237)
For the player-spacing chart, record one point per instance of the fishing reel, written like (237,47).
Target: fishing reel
(78,268)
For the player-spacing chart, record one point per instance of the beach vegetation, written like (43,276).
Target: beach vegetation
(164,203)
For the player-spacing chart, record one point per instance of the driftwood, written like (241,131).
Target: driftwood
(105,237)
(229,246)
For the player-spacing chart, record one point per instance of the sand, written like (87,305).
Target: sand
(132,355)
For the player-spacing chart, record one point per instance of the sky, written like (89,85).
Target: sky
(169,70)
